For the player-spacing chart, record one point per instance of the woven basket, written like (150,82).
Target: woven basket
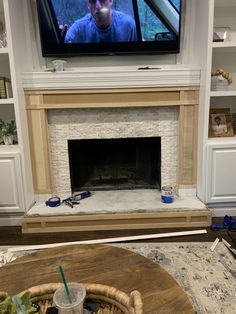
(112,300)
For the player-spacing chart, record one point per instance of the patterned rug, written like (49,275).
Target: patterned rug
(208,278)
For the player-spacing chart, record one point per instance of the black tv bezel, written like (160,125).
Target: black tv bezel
(112,48)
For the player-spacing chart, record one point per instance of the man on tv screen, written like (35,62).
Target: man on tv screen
(102,24)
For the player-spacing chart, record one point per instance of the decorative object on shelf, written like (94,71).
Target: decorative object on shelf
(5,88)
(220,80)
(234,122)
(3,36)
(59,65)
(3,40)
(8,131)
(220,123)
(221,34)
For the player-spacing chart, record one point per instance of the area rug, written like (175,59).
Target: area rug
(208,278)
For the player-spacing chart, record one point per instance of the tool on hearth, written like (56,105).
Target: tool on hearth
(53,201)
(74,199)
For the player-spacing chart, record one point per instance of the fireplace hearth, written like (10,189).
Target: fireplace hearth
(113,164)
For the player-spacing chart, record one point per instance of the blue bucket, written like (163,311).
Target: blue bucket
(167,194)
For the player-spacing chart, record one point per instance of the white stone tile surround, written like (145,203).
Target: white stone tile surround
(112,123)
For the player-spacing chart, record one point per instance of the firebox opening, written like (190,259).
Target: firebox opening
(111,164)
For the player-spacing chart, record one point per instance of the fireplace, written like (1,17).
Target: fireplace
(113,164)
(163,110)
(58,116)
(129,128)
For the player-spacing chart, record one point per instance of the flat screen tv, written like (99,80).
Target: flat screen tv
(74,27)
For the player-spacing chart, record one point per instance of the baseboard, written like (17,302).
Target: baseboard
(95,222)
(222,211)
(6,221)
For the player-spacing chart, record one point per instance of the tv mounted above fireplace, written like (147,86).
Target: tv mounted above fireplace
(139,26)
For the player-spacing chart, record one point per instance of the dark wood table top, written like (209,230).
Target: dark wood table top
(102,264)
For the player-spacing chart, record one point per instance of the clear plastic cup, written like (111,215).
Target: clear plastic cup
(61,301)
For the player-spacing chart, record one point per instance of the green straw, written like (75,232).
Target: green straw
(65,284)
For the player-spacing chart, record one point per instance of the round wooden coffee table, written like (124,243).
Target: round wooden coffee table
(103,264)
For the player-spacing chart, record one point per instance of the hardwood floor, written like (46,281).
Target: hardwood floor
(13,235)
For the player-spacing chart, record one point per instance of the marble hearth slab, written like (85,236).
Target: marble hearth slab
(121,201)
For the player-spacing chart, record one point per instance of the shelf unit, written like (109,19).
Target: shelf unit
(217,173)
(4,51)
(16,188)
(224,54)
(227,44)
(7,110)
(7,101)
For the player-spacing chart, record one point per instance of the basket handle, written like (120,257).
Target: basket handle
(136,302)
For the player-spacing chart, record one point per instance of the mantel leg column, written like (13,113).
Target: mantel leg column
(39,146)
(187,164)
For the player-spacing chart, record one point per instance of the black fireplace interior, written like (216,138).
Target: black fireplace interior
(112,164)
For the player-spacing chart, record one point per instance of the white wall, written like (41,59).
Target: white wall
(184,58)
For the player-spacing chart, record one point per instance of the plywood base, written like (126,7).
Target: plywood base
(95,222)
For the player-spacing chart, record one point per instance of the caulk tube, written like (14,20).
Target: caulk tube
(81,196)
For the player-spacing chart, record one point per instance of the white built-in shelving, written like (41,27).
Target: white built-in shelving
(16,188)
(224,55)
(218,168)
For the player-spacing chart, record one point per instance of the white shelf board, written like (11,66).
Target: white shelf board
(6,101)
(222,140)
(5,149)
(223,93)
(4,50)
(226,44)
(225,3)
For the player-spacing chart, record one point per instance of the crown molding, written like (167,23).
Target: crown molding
(111,77)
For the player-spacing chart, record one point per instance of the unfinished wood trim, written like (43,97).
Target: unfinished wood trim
(187,156)
(41,224)
(37,102)
(195,143)
(109,90)
(90,105)
(180,147)
(105,99)
(108,240)
(40,158)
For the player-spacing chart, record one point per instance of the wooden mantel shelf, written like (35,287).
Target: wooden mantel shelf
(112,77)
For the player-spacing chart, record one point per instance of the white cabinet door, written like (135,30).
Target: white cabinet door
(11,194)
(221,173)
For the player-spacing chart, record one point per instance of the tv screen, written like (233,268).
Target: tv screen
(74,27)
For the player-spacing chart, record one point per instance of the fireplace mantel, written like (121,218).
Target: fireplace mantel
(112,77)
(101,89)
(38,102)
